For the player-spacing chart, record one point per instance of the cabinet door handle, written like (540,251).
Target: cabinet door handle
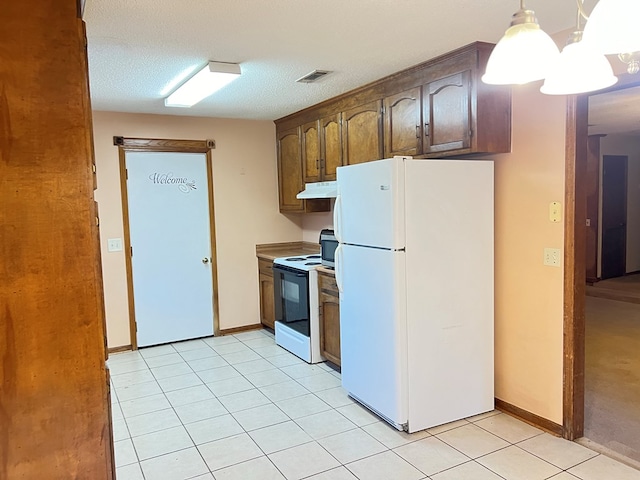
(426,129)
(317,163)
(417,131)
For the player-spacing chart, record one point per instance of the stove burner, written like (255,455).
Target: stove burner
(312,263)
(309,257)
(295,259)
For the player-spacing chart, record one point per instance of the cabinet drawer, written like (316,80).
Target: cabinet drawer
(265,267)
(327,283)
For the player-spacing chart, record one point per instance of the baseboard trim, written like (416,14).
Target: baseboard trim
(123,348)
(530,418)
(245,328)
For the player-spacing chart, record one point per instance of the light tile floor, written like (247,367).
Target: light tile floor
(239,407)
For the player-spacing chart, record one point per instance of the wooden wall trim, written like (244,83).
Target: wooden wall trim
(244,328)
(214,250)
(529,417)
(574,266)
(163,145)
(122,348)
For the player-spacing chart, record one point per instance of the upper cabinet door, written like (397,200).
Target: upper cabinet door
(362,133)
(290,170)
(311,161)
(330,145)
(402,124)
(447,113)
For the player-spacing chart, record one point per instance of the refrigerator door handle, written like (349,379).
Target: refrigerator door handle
(337,219)
(338,267)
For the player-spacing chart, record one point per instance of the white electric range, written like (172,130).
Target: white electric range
(295,285)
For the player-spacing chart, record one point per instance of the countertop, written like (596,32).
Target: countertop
(328,271)
(270,251)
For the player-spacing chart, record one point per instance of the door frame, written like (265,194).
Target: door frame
(160,145)
(575,256)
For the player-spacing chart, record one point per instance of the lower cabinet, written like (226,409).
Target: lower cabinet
(329,317)
(267,311)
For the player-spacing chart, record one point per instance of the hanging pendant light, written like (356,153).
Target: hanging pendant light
(524,54)
(613,27)
(578,69)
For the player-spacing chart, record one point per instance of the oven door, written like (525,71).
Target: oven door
(291,295)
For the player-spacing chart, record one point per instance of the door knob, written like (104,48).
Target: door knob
(205,260)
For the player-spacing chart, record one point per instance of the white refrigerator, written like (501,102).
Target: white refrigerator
(414,268)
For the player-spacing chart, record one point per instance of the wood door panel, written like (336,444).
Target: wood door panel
(290,171)
(329,318)
(614,215)
(362,136)
(267,310)
(330,346)
(54,396)
(447,117)
(311,152)
(331,145)
(402,124)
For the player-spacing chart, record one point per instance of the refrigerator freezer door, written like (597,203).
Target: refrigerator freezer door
(370,206)
(373,329)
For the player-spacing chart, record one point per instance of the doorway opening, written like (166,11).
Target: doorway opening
(602,329)
(168,212)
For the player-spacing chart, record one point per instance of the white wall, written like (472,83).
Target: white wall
(245,202)
(629,146)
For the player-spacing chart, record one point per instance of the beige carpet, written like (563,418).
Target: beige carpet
(612,376)
(626,288)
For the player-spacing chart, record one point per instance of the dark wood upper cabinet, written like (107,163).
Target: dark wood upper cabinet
(311,158)
(362,133)
(438,108)
(447,115)
(330,145)
(290,170)
(321,149)
(402,124)
(290,173)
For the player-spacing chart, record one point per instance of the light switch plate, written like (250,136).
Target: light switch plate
(114,244)
(555,212)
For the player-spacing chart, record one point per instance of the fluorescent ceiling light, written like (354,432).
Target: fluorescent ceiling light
(211,78)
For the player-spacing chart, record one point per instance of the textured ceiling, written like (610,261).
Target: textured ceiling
(137,48)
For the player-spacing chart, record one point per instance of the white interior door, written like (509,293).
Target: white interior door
(170,234)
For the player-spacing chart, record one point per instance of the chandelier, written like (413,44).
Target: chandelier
(526,53)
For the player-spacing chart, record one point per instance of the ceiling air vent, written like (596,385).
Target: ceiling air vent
(313,76)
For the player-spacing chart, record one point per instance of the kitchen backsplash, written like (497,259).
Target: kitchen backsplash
(312,223)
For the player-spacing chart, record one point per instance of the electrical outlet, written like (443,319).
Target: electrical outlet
(114,244)
(552,257)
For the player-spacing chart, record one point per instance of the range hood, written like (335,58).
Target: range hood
(319,190)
